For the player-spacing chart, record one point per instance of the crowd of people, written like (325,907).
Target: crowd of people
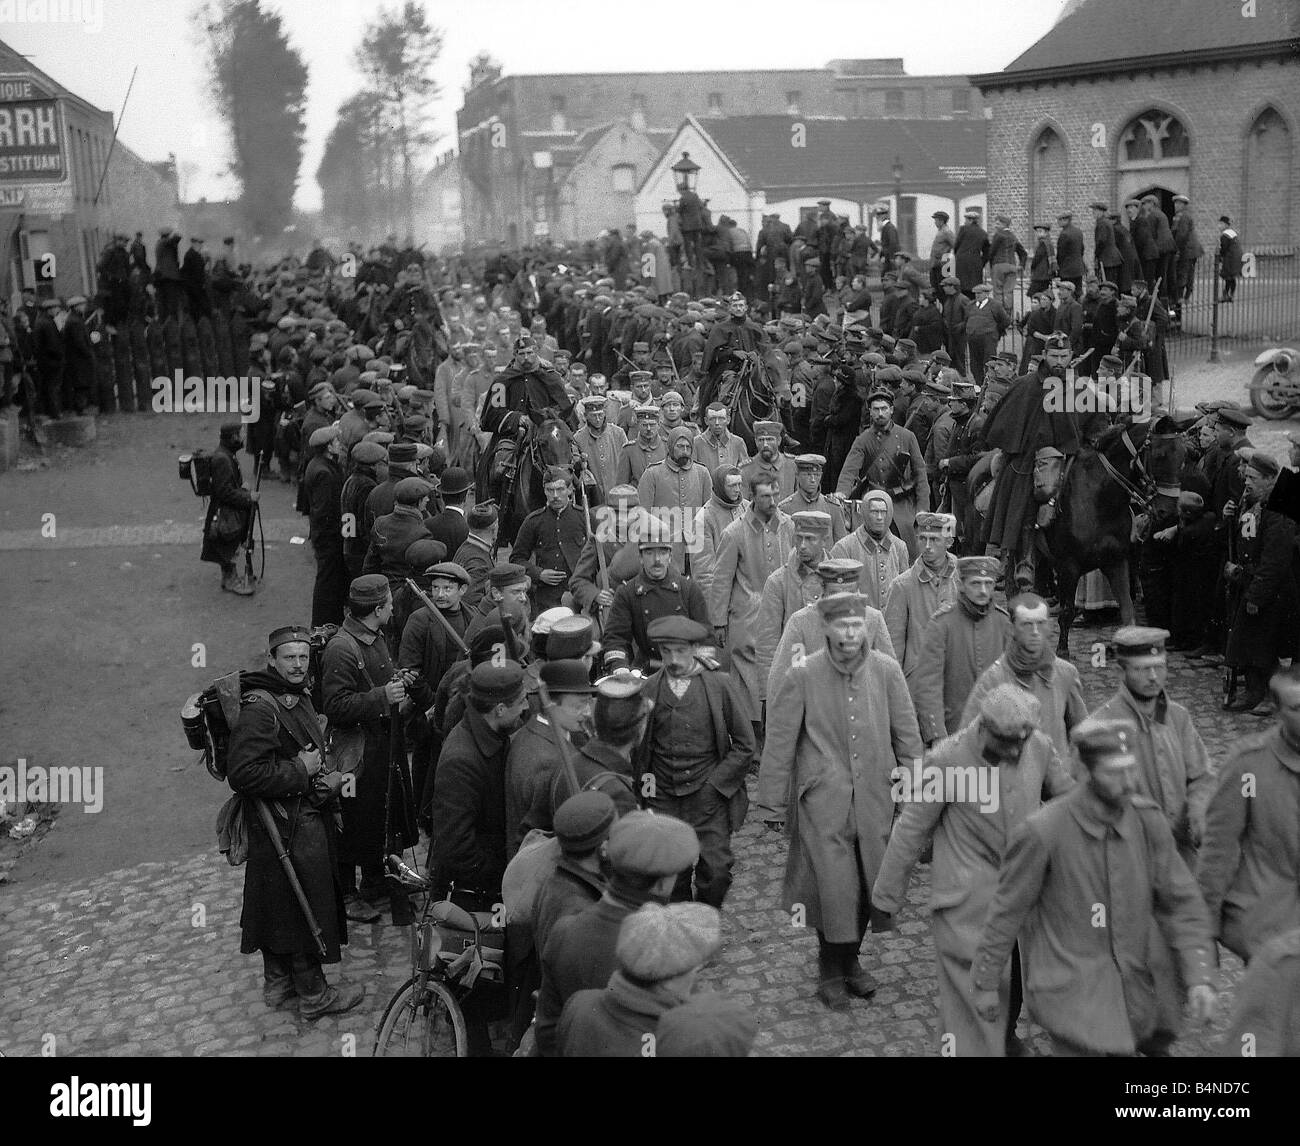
(827,610)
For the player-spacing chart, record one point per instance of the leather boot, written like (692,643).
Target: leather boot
(277,980)
(830,974)
(333,1000)
(857,980)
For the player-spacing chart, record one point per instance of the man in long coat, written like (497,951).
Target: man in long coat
(725,505)
(919,591)
(1004,757)
(1090,987)
(883,554)
(277,754)
(840,723)
(228,493)
(790,588)
(971,250)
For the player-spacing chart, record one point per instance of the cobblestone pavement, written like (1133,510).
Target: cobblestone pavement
(145,961)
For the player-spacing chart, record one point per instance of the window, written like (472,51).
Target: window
(1155,137)
(558,120)
(792,103)
(960,99)
(894,101)
(715,103)
(1048,175)
(1268,166)
(623,178)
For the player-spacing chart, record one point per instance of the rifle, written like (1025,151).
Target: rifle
(1230,671)
(254,519)
(399,905)
(600,552)
(446,624)
(282,854)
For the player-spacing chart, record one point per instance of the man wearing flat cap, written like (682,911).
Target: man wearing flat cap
(506,601)
(582,825)
(1069,252)
(323,481)
(807,495)
(277,754)
(362,692)
(550,540)
(1263,595)
(646,854)
(696,752)
(392,534)
(322,403)
(1089,984)
(840,722)
(660,952)
(365,415)
(475,554)
(985,780)
(964,637)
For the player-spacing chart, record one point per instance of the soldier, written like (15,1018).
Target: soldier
(916,594)
(696,753)
(1030,662)
(723,507)
(883,554)
(644,450)
(677,488)
(716,445)
(616,533)
(226,521)
(840,723)
(1083,913)
(600,445)
(738,335)
(657,590)
(964,637)
(550,540)
(886,456)
(768,461)
(277,753)
(961,453)
(807,494)
(993,773)
(323,481)
(751,548)
(528,392)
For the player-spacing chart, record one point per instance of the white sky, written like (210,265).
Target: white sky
(170,110)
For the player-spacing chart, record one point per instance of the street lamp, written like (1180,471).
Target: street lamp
(685,172)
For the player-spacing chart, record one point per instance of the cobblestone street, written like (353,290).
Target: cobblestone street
(145,961)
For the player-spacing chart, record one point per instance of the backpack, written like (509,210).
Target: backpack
(196,468)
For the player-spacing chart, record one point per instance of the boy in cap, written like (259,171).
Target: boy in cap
(696,752)
(660,951)
(646,853)
(840,766)
(277,752)
(1090,987)
(994,773)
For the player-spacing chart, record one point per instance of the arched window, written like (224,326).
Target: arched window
(1049,175)
(1154,151)
(1268,167)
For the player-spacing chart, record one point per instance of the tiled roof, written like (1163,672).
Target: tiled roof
(1101,31)
(850,152)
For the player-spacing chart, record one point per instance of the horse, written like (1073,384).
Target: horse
(511,475)
(1093,528)
(756,390)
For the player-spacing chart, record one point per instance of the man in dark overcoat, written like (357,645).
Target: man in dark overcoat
(223,533)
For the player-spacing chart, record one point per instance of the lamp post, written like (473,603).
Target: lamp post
(898,186)
(690,213)
(686,172)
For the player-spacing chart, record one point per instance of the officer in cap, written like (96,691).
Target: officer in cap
(646,853)
(1105,1006)
(807,494)
(277,745)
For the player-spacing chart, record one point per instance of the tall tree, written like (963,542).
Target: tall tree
(260,86)
(355,192)
(397,56)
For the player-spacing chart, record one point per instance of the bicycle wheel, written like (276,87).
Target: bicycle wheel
(422,1021)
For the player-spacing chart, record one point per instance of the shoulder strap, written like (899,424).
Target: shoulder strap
(600,777)
(361,656)
(275,713)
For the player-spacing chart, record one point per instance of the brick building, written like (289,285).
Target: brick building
(520,136)
(1118,99)
(73,216)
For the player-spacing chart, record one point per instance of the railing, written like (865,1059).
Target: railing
(1265,307)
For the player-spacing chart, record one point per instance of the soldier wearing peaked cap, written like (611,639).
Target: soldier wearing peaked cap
(807,494)
(768,461)
(277,753)
(616,532)
(1091,988)
(987,779)
(550,540)
(323,483)
(600,443)
(840,768)
(695,753)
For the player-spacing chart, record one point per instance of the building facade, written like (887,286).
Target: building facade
(1170,97)
(520,136)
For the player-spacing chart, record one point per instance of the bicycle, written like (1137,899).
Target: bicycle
(449,959)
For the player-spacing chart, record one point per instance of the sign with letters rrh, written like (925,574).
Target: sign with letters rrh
(33,147)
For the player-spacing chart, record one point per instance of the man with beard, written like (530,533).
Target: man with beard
(716,445)
(808,496)
(882,554)
(838,726)
(1030,662)
(886,456)
(917,593)
(961,640)
(1090,986)
(723,507)
(768,462)
(696,754)
(600,444)
(1020,425)
(739,334)
(277,754)
(323,481)
(229,505)
(676,489)
(525,395)
(1001,752)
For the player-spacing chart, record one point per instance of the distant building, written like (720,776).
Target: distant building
(508,125)
(54,196)
(756,165)
(438,222)
(1191,97)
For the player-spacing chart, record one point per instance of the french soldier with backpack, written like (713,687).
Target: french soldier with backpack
(225,524)
(276,755)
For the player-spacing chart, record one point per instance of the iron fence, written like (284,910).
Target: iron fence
(1265,307)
